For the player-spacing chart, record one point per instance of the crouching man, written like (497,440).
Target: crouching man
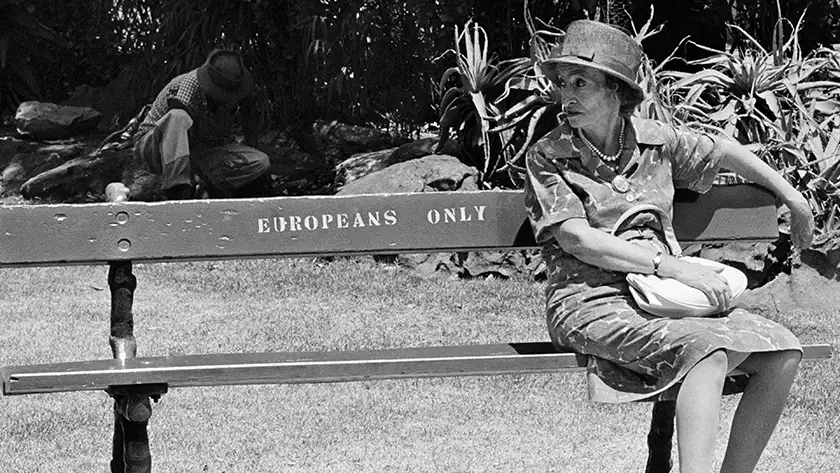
(187,135)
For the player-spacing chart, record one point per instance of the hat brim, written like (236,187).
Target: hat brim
(549,67)
(245,88)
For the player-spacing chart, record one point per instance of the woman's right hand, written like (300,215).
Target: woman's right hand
(699,276)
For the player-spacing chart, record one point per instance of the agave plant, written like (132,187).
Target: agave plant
(782,105)
(536,112)
(468,91)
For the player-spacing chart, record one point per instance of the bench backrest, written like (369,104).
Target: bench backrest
(328,225)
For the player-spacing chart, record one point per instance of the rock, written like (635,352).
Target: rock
(22,167)
(65,151)
(37,159)
(48,121)
(10,147)
(758,261)
(441,173)
(813,283)
(429,174)
(420,148)
(84,179)
(117,192)
(362,164)
(336,141)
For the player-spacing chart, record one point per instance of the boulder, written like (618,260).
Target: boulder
(33,159)
(428,174)
(442,173)
(362,164)
(812,284)
(759,261)
(48,121)
(336,141)
(420,148)
(24,166)
(85,178)
(11,146)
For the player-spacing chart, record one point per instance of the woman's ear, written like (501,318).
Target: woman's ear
(614,88)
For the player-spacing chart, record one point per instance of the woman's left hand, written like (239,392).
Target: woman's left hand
(801,222)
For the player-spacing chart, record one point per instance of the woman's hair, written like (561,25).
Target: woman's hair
(628,97)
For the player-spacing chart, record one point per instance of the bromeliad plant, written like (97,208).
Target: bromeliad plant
(781,105)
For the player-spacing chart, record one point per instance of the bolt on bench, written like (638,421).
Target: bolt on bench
(118,234)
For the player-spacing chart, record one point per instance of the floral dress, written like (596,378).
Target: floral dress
(634,355)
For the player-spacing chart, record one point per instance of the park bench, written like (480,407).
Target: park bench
(122,233)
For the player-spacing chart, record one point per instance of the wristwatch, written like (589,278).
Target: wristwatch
(657,260)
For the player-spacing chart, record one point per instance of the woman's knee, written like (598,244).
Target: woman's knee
(777,362)
(716,363)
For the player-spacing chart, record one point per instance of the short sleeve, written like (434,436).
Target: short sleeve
(549,200)
(695,159)
(185,92)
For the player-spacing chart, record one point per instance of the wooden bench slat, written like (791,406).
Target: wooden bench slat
(303,367)
(328,225)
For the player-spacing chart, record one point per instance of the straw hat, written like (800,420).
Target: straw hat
(224,77)
(599,46)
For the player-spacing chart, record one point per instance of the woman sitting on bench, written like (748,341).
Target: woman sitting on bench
(599,192)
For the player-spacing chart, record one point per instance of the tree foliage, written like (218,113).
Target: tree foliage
(22,42)
(358,61)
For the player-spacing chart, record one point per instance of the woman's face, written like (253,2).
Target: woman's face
(586,99)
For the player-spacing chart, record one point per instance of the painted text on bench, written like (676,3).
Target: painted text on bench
(296,223)
(339,221)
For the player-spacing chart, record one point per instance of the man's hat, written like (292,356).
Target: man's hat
(599,46)
(224,77)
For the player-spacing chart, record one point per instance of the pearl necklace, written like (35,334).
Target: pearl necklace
(599,153)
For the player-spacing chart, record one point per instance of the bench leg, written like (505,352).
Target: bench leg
(131,411)
(131,445)
(659,438)
(122,284)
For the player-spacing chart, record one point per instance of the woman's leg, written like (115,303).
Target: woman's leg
(698,407)
(771,376)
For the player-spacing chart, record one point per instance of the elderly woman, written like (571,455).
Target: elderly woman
(599,192)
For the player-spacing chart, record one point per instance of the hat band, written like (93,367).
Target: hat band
(614,65)
(221,80)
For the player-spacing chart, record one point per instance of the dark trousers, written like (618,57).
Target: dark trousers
(232,170)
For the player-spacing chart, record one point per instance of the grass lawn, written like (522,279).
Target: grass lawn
(533,423)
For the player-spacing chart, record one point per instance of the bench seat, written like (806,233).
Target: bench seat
(302,367)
